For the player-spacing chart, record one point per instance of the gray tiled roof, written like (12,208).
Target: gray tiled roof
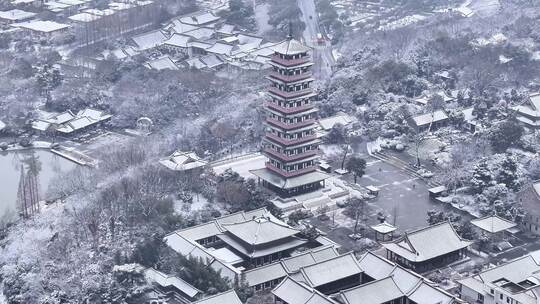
(375,292)
(331,270)
(294,292)
(227,297)
(260,231)
(428,243)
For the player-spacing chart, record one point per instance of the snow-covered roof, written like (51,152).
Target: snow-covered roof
(84,17)
(67,122)
(375,292)
(260,231)
(149,40)
(384,228)
(428,243)
(293,292)
(493,224)
(221,48)
(167,281)
(330,270)
(339,118)
(515,277)
(228,297)
(16,15)
(426,119)
(178,40)
(2,125)
(290,47)
(163,63)
(40,125)
(244,38)
(42,26)
(226,28)
(72,2)
(199,18)
(182,161)
(179,27)
(200,33)
(101,13)
(119,6)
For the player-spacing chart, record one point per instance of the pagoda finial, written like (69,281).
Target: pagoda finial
(290,36)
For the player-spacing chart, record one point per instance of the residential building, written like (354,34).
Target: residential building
(42,29)
(427,248)
(529,113)
(290,142)
(15,15)
(529,197)
(514,282)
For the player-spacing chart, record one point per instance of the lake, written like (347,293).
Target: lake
(48,164)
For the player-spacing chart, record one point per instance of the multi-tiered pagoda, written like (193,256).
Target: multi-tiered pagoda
(290,142)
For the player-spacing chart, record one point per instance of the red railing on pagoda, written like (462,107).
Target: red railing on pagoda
(284,173)
(292,94)
(289,62)
(289,110)
(290,142)
(290,126)
(290,78)
(284,157)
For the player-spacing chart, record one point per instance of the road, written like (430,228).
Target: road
(322,54)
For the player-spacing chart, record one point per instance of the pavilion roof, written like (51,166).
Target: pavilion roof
(291,47)
(428,243)
(260,230)
(493,224)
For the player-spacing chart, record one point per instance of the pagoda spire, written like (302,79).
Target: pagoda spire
(290,35)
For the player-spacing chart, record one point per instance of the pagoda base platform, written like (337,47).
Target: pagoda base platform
(286,187)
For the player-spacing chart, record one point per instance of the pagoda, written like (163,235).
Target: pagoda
(290,142)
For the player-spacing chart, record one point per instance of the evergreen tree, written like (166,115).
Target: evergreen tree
(508,173)
(482,177)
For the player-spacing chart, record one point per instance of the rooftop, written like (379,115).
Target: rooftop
(163,63)
(291,47)
(16,15)
(493,224)
(164,280)
(199,18)
(149,40)
(182,161)
(84,17)
(294,292)
(260,231)
(330,270)
(289,183)
(384,228)
(426,119)
(227,297)
(42,26)
(428,243)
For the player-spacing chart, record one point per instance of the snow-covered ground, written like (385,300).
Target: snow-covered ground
(242,165)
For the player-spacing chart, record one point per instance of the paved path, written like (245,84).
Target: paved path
(322,54)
